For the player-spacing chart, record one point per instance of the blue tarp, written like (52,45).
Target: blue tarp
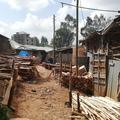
(24,53)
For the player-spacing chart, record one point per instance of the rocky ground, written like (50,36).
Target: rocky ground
(44,100)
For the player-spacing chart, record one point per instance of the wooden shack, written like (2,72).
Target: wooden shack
(5,47)
(104,52)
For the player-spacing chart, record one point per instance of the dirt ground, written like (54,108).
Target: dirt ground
(44,100)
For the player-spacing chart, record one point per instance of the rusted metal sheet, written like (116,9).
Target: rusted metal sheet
(113,78)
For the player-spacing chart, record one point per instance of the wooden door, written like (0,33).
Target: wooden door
(99,74)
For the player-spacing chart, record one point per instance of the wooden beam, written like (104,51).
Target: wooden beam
(15,75)
(117,47)
(116,55)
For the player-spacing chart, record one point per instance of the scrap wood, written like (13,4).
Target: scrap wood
(26,68)
(81,70)
(79,83)
(97,108)
(6,75)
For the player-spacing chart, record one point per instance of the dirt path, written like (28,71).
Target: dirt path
(42,101)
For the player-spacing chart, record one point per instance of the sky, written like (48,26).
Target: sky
(36,16)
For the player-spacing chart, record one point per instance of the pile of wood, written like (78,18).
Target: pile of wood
(97,108)
(26,68)
(6,74)
(81,70)
(79,83)
(83,82)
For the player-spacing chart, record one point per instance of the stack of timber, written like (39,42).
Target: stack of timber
(26,68)
(97,108)
(83,82)
(6,75)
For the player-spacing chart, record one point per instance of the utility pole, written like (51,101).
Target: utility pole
(53,38)
(77,29)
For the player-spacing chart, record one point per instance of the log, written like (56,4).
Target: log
(5,75)
(97,108)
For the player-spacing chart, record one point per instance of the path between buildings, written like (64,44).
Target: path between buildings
(41,101)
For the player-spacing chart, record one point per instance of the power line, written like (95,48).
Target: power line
(87,8)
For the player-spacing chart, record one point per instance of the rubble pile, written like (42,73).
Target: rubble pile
(42,92)
(46,91)
(83,82)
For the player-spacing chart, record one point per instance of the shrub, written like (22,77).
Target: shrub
(4,112)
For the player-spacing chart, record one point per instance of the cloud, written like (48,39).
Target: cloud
(31,5)
(37,26)
(101,4)
(104,4)
(31,24)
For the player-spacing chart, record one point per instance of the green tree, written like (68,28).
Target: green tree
(44,41)
(4,112)
(93,25)
(65,34)
(36,39)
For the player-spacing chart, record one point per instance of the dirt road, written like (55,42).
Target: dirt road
(44,100)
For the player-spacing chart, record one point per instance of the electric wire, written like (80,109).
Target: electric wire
(88,8)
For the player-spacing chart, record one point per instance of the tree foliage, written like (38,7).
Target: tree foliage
(95,24)
(44,41)
(36,39)
(4,112)
(65,34)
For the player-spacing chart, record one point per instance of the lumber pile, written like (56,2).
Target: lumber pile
(79,83)
(6,74)
(26,68)
(83,82)
(81,70)
(97,108)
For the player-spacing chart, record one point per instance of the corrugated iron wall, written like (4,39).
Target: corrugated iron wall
(113,77)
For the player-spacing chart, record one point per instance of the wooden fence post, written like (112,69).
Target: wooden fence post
(78,102)
(60,68)
(70,86)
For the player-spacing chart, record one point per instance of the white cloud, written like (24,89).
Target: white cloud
(101,4)
(44,26)
(31,5)
(31,24)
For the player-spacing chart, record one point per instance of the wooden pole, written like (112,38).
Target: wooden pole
(77,30)
(54,38)
(78,103)
(70,86)
(60,67)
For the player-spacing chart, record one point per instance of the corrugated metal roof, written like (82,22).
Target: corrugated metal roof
(16,45)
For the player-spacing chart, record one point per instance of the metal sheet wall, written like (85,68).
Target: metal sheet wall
(113,77)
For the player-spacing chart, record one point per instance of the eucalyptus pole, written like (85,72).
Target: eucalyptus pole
(53,38)
(77,29)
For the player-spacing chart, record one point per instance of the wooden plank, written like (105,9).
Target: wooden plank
(15,75)
(97,108)
(116,55)
(117,47)
(7,94)
(5,75)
